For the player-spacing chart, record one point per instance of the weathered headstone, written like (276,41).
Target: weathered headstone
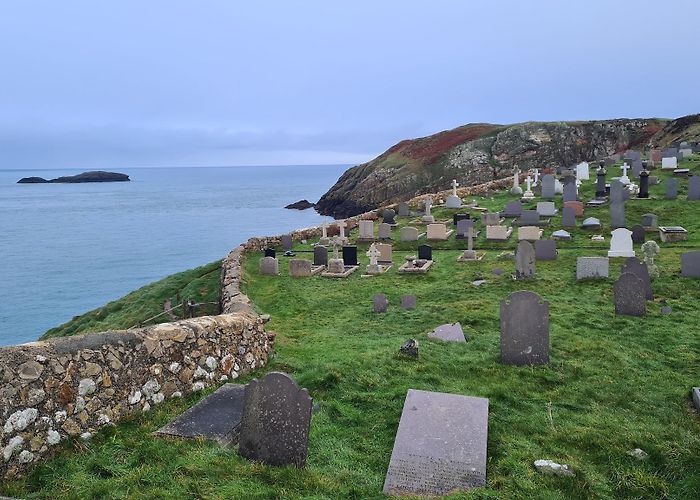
(451,332)
(276,421)
(513,209)
(409,348)
(592,268)
(498,233)
(300,268)
(578,207)
(617,214)
(690,264)
(366,229)
(621,243)
(545,250)
(669,163)
(524,329)
(671,188)
(561,235)
(403,209)
(409,234)
(694,188)
(650,221)
(548,186)
(529,218)
(570,192)
(380,303)
(546,208)
(440,445)
(458,217)
(437,231)
(640,270)
(530,233)
(639,235)
(384,231)
(525,260)
(591,223)
(568,217)
(350,256)
(320,256)
(425,252)
(462,228)
(286,240)
(408,302)
(269,266)
(388,216)
(490,219)
(385,253)
(628,292)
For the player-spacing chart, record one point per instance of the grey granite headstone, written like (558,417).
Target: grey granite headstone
(440,445)
(637,168)
(617,191)
(217,417)
(671,188)
(529,218)
(286,240)
(641,271)
(617,214)
(403,209)
(384,231)
(276,421)
(639,235)
(462,228)
(300,268)
(513,209)
(380,303)
(525,260)
(591,223)
(568,217)
(451,332)
(524,329)
(408,302)
(569,192)
(690,264)
(694,188)
(628,293)
(650,220)
(269,266)
(592,268)
(546,208)
(548,186)
(320,256)
(545,250)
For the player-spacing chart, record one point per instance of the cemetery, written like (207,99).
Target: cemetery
(576,349)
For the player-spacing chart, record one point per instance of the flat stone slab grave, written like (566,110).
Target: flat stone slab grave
(451,332)
(217,417)
(348,271)
(440,445)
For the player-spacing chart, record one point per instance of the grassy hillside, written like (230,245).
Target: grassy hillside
(200,284)
(613,383)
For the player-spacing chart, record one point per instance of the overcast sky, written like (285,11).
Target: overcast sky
(92,84)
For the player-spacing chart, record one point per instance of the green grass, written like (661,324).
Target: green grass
(200,284)
(612,384)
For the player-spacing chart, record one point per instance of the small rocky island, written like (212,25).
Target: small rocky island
(300,205)
(96,176)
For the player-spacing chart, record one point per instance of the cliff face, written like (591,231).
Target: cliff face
(478,153)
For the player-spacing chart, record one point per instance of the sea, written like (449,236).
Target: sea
(66,249)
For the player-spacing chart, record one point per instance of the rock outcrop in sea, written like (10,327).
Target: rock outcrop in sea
(96,176)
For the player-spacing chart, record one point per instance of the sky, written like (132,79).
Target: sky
(88,84)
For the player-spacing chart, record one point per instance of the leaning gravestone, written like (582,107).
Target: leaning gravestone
(641,271)
(276,421)
(545,250)
(690,264)
(546,208)
(628,292)
(451,332)
(592,268)
(380,303)
(524,329)
(513,209)
(269,266)
(529,218)
(440,445)
(568,217)
(320,256)
(525,260)
(384,231)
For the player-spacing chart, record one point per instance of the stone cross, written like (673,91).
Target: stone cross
(537,177)
(454,187)
(373,254)
(624,179)
(324,227)
(470,238)
(428,205)
(516,178)
(335,242)
(342,224)
(528,181)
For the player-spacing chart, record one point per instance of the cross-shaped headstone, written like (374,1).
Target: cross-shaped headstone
(336,243)
(454,187)
(373,255)
(428,204)
(625,168)
(537,177)
(470,238)
(324,228)
(516,178)
(528,181)
(341,224)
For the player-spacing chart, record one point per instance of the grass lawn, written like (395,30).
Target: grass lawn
(613,383)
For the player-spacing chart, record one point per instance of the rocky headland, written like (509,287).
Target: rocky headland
(96,176)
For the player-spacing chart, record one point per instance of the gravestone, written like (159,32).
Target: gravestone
(546,209)
(671,188)
(582,171)
(300,268)
(286,241)
(409,234)
(621,243)
(524,260)
(269,266)
(350,256)
(561,235)
(617,214)
(491,219)
(591,223)
(453,201)
(690,264)
(637,168)
(650,221)
(513,209)
(498,233)
(409,348)
(270,252)
(643,185)
(570,192)
(529,218)
(617,191)
(458,217)
(669,163)
(425,252)
(600,191)
(530,233)
(628,293)
(639,235)
(694,188)
(577,206)
(462,228)
(388,216)
(568,217)
(524,329)
(592,268)
(366,229)
(217,417)
(640,270)
(276,421)
(548,186)
(403,209)
(384,231)
(428,217)
(320,256)
(451,332)
(408,302)
(380,303)
(440,445)
(545,250)
(437,231)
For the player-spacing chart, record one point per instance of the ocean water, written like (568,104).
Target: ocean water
(66,249)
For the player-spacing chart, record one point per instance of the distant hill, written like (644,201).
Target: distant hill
(96,176)
(481,152)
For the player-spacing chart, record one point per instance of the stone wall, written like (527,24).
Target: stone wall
(72,386)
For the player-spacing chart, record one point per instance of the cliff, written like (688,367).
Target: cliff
(478,153)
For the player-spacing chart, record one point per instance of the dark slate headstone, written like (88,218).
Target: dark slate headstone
(690,264)
(568,217)
(462,228)
(513,209)
(425,252)
(628,292)
(380,303)
(217,417)
(639,235)
(270,252)
(694,188)
(650,220)
(617,214)
(671,188)
(569,193)
(286,240)
(636,168)
(548,182)
(276,421)
(529,218)
(545,250)
(458,217)
(403,209)
(409,348)
(320,256)
(408,302)
(440,445)
(641,271)
(388,216)
(451,332)
(524,260)
(524,329)
(350,256)
(617,191)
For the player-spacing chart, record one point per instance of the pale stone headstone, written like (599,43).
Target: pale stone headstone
(437,232)
(568,217)
(440,445)
(516,189)
(548,186)
(428,217)
(491,219)
(546,209)
(621,243)
(276,421)
(451,332)
(300,268)
(528,195)
(690,264)
(498,233)
(525,260)
(669,163)
(628,293)
(384,231)
(545,250)
(269,266)
(524,329)
(409,234)
(366,228)
(591,223)
(592,268)
(582,171)
(320,256)
(530,233)
(640,270)
(453,201)
(385,253)
(373,267)
(561,235)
